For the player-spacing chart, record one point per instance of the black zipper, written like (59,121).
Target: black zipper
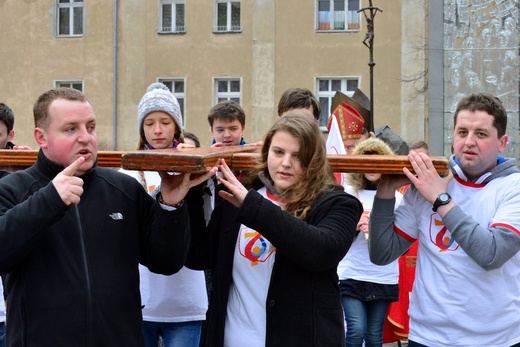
(90,327)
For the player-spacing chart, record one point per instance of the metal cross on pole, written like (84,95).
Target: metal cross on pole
(370,13)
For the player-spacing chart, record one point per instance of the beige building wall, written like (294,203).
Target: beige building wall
(277,48)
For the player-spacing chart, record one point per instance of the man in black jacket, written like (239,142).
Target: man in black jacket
(72,235)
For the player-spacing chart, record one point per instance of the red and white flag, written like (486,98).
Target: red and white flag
(335,146)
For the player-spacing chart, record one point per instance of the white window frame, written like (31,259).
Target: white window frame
(72,6)
(327,94)
(228,27)
(176,27)
(227,95)
(350,19)
(179,95)
(69,84)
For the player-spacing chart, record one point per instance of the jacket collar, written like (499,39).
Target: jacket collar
(50,169)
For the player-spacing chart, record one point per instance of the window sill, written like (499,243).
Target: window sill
(171,32)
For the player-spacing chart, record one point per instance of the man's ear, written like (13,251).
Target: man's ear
(10,137)
(40,137)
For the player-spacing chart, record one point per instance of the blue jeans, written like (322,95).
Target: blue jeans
(2,334)
(365,321)
(182,334)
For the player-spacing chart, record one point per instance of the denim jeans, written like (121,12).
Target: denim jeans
(365,321)
(2,334)
(184,334)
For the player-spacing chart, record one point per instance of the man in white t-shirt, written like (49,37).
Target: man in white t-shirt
(468,265)
(2,317)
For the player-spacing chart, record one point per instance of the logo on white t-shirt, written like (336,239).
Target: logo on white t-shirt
(253,246)
(440,236)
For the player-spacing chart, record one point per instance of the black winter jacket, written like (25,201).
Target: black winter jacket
(303,302)
(73,275)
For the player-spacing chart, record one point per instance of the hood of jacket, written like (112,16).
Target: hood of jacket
(369,146)
(504,167)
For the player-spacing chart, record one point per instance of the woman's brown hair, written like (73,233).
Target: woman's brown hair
(317,175)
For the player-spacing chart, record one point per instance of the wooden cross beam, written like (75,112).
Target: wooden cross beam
(237,157)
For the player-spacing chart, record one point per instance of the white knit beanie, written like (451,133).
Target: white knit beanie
(159,98)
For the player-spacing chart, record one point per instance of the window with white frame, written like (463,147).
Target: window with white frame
(70,17)
(176,86)
(327,87)
(76,84)
(171,16)
(227,16)
(341,15)
(227,89)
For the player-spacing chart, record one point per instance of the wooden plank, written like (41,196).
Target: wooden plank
(383,164)
(239,158)
(193,160)
(12,160)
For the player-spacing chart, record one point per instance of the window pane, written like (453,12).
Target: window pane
(78,20)
(324,5)
(181,104)
(339,5)
(324,116)
(64,1)
(167,84)
(222,16)
(179,18)
(335,85)
(323,85)
(64,21)
(221,99)
(237,100)
(77,86)
(235,16)
(222,86)
(353,5)
(179,87)
(167,17)
(235,86)
(352,85)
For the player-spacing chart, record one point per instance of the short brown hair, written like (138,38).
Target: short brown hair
(227,110)
(488,103)
(294,98)
(41,106)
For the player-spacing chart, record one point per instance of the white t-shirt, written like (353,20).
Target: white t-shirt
(356,264)
(2,305)
(180,297)
(252,267)
(454,301)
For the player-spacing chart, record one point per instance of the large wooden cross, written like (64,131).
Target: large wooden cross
(238,158)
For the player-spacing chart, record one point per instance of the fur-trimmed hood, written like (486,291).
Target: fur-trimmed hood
(369,146)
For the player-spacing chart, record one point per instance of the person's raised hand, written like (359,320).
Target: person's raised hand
(174,187)
(185,146)
(426,178)
(22,148)
(237,191)
(68,186)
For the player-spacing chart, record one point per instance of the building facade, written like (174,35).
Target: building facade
(206,50)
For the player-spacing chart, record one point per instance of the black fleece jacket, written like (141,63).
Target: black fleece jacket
(73,275)
(303,302)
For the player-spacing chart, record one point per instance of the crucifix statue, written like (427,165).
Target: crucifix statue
(370,13)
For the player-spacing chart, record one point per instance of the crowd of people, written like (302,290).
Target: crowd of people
(284,254)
